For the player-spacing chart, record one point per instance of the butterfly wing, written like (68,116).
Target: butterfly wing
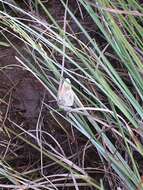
(68,98)
(66,95)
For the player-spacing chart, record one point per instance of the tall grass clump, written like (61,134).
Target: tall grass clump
(106,73)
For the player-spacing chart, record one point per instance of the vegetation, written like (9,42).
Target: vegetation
(99,47)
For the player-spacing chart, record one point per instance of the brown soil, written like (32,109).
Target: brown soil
(21,97)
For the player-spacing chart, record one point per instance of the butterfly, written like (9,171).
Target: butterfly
(65,95)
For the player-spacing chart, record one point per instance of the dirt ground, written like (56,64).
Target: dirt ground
(21,97)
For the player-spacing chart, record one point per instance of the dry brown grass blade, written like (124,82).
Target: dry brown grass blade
(117,11)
